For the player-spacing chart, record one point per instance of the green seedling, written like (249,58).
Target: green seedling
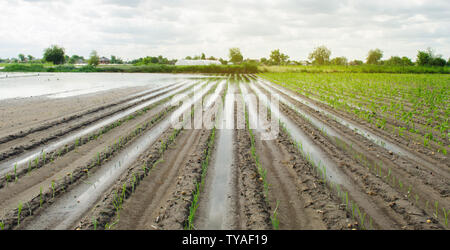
(53,189)
(274,219)
(445,216)
(36,162)
(94,221)
(19,212)
(436,209)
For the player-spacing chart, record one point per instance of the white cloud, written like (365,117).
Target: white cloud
(177,28)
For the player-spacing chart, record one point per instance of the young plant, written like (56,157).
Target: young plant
(53,189)
(19,211)
(445,216)
(274,217)
(436,209)
(94,221)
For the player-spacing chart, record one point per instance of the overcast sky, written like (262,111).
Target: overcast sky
(178,28)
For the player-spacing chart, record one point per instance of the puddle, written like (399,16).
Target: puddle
(72,84)
(71,206)
(23,160)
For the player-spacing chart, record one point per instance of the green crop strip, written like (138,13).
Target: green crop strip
(199,185)
(261,171)
(413,106)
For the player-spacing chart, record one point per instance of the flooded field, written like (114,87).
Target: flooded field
(101,151)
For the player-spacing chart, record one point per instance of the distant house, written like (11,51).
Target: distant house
(104,60)
(197,62)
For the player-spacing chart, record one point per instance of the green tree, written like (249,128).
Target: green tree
(75,59)
(406,61)
(356,62)
(424,57)
(438,61)
(278,58)
(222,61)
(94,58)
(54,54)
(320,55)
(203,56)
(263,60)
(374,56)
(30,58)
(21,57)
(428,58)
(236,56)
(339,61)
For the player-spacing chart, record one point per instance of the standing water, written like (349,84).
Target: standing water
(220,187)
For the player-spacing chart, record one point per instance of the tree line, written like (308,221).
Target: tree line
(319,56)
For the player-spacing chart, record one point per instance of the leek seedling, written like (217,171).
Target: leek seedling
(445,216)
(2,225)
(8,178)
(436,209)
(275,220)
(19,212)
(94,221)
(43,156)
(133,183)
(53,189)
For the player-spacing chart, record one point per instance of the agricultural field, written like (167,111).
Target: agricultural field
(348,151)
